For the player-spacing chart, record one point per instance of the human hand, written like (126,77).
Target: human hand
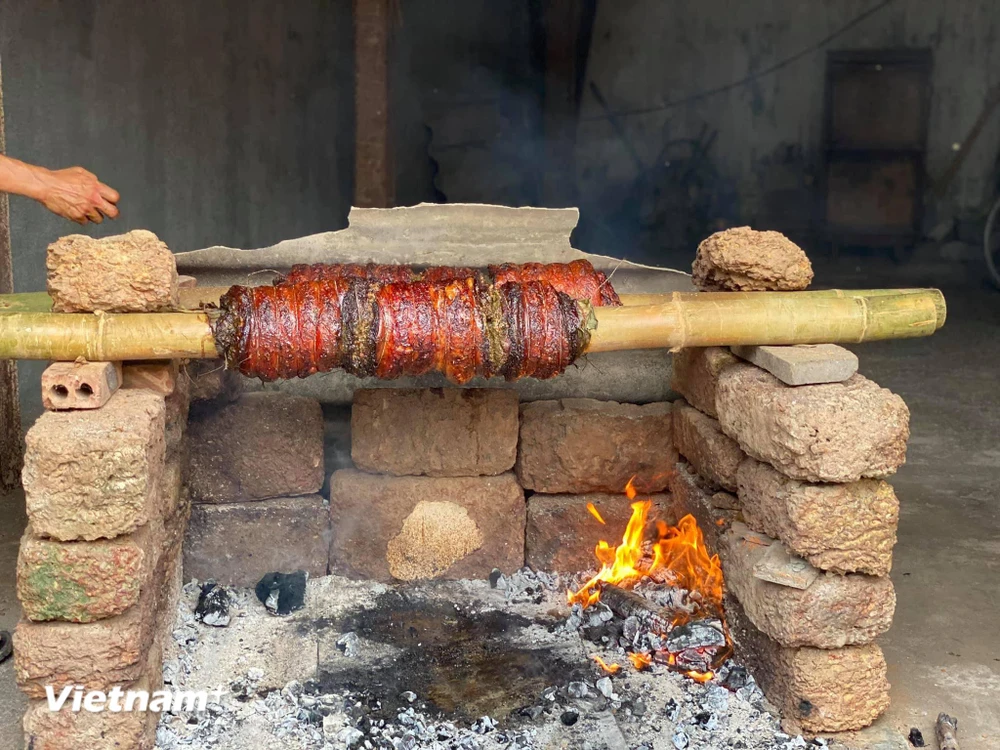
(77,195)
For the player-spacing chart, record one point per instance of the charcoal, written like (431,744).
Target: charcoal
(639,707)
(735,678)
(282,593)
(696,634)
(569,717)
(577,690)
(349,643)
(531,712)
(550,693)
(672,710)
(495,575)
(716,699)
(605,687)
(213,605)
(916,738)
(408,695)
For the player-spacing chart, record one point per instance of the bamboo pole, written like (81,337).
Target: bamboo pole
(759,318)
(29,330)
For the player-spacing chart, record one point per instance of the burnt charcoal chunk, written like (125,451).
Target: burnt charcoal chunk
(213,605)
(569,718)
(282,593)
(916,738)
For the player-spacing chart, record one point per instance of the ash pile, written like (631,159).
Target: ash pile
(459,665)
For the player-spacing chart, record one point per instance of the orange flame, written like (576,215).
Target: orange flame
(609,668)
(595,513)
(679,555)
(700,676)
(639,660)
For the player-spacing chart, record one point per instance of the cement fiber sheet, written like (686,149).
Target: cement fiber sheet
(430,235)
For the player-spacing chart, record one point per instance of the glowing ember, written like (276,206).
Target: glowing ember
(594,512)
(639,660)
(609,668)
(700,676)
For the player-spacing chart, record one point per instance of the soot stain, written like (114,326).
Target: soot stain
(461,662)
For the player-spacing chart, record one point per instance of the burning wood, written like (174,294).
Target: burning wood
(689,635)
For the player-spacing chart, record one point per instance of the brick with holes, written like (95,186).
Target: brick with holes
(80,385)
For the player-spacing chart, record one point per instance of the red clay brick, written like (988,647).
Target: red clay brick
(437,432)
(263,445)
(93,474)
(581,445)
(389,528)
(79,385)
(237,543)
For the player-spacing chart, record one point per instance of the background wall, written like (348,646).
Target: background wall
(649,52)
(219,121)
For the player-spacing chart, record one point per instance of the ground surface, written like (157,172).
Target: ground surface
(944,646)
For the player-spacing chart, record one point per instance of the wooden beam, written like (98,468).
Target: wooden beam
(11,448)
(374,176)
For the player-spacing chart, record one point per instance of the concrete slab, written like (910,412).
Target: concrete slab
(805,364)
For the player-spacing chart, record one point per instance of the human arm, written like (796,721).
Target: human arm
(73,193)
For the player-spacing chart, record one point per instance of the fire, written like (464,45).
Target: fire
(609,668)
(700,676)
(595,513)
(679,555)
(639,660)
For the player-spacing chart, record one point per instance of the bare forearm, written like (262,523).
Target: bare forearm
(21,179)
(73,193)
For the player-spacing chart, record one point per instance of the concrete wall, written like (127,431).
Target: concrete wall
(219,121)
(647,52)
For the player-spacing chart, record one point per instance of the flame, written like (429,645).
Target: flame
(595,513)
(679,555)
(609,668)
(639,660)
(700,676)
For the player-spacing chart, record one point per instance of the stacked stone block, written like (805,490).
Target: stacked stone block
(433,494)
(98,569)
(579,452)
(254,470)
(806,540)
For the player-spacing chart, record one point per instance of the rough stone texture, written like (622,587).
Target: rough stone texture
(844,528)
(159,377)
(561,533)
(822,690)
(263,445)
(85,581)
(437,432)
(700,440)
(101,654)
(777,565)
(74,730)
(208,379)
(805,364)
(691,494)
(78,730)
(696,375)
(79,385)
(132,272)
(92,474)
(178,405)
(237,543)
(581,445)
(384,524)
(834,611)
(743,259)
(838,432)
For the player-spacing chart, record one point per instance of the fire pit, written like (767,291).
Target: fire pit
(584,561)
